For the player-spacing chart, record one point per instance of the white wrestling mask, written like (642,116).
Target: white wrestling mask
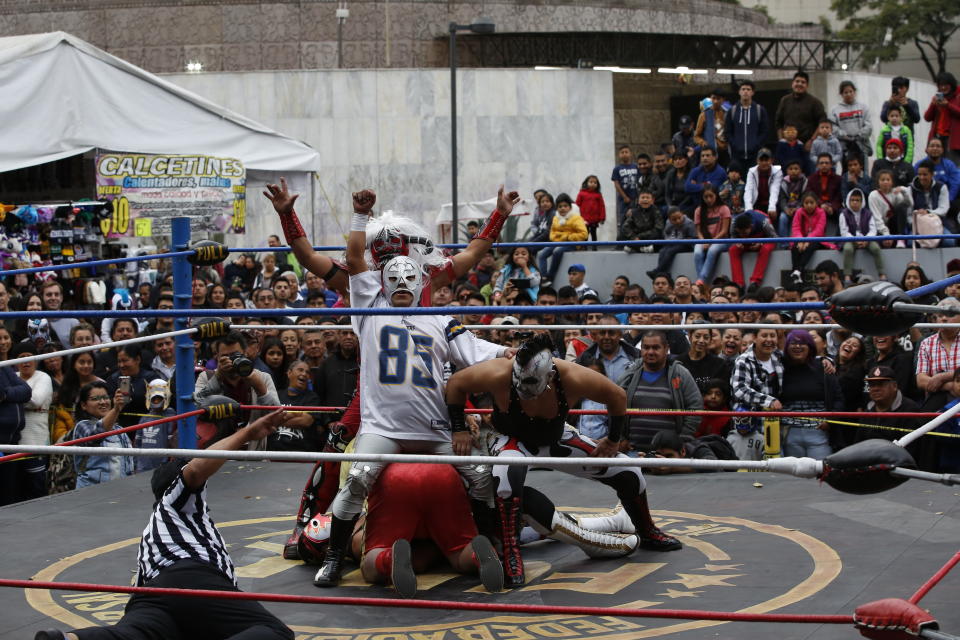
(402,274)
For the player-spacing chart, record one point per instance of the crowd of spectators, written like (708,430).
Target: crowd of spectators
(805,172)
(714,179)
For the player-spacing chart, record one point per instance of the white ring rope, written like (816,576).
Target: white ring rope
(473,327)
(97,347)
(800,467)
(930,426)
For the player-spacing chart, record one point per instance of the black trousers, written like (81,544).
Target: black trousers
(150,617)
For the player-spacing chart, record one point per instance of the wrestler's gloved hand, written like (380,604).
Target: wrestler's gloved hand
(338,437)
(868,309)
(892,619)
(865,467)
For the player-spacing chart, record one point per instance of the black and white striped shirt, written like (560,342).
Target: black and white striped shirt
(181,528)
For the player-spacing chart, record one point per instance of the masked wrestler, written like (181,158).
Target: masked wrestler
(388,236)
(532,395)
(402,361)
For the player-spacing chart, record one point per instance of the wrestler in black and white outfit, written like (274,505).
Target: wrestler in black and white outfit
(532,395)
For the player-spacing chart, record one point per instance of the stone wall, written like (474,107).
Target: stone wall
(244,35)
(390,130)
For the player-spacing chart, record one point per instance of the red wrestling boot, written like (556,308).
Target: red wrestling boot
(510,513)
(651,537)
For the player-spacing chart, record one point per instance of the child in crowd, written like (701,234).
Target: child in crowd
(903,171)
(792,188)
(809,221)
(716,397)
(856,219)
(678,227)
(712,220)
(895,130)
(746,438)
(826,142)
(567,226)
(747,225)
(625,176)
(790,148)
(731,191)
(592,209)
(643,222)
(891,205)
(825,184)
(855,178)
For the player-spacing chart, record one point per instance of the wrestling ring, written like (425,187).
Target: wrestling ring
(767,552)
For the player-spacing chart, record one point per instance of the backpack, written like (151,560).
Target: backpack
(927,224)
(61,473)
(720,447)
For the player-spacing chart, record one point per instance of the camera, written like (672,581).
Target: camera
(242,365)
(938,95)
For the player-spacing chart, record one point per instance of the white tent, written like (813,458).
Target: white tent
(475,211)
(63,96)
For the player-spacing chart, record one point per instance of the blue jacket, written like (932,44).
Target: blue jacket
(760,226)
(14,393)
(746,129)
(784,153)
(946,172)
(865,184)
(699,175)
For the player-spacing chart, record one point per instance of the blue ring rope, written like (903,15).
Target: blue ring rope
(96,263)
(635,243)
(416,311)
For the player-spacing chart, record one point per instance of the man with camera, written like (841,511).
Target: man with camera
(236,378)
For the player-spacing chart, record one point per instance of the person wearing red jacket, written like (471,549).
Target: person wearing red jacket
(944,114)
(825,183)
(592,209)
(809,221)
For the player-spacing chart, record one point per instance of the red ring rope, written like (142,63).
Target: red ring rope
(686,614)
(652,412)
(112,432)
(935,578)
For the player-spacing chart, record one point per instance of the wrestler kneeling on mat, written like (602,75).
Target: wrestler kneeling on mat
(532,394)
(419,514)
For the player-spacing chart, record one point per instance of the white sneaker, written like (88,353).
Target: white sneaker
(647,248)
(616,521)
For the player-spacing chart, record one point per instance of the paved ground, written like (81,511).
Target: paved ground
(789,545)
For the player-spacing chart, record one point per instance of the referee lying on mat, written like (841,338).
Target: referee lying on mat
(181,548)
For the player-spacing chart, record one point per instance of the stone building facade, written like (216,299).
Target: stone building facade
(250,35)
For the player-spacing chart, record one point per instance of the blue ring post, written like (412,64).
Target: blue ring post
(182,299)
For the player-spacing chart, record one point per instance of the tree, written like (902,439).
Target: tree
(884,26)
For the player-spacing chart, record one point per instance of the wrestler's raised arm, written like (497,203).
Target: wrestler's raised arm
(363,202)
(317,263)
(481,243)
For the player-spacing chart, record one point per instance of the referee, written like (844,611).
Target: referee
(182,548)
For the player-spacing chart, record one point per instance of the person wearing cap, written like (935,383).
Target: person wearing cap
(710,130)
(886,396)
(576,275)
(763,185)
(746,125)
(36,430)
(683,141)
(939,355)
(893,160)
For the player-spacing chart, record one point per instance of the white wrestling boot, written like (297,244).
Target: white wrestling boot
(616,521)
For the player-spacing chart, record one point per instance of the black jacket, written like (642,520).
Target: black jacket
(14,393)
